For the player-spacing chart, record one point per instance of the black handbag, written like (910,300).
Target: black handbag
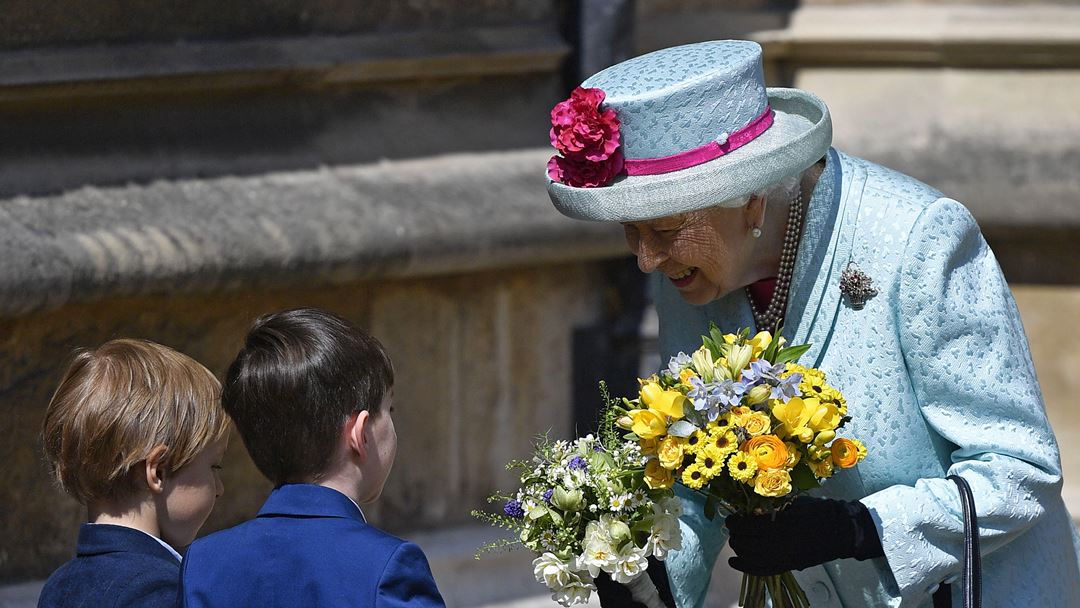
(972,573)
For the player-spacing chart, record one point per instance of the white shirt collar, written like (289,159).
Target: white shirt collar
(178,557)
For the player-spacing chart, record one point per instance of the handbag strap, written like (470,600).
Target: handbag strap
(972,573)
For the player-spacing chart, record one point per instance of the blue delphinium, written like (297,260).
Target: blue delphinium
(514,509)
(547,495)
(786,388)
(678,363)
(577,463)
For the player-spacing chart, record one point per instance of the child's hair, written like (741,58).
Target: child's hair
(299,376)
(115,404)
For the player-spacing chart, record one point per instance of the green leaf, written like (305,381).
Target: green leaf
(803,478)
(791,354)
(710,508)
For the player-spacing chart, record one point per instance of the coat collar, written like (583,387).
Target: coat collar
(97,539)
(823,254)
(309,500)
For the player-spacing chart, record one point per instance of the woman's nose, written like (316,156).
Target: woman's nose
(649,256)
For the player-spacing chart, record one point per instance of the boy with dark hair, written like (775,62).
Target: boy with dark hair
(311,396)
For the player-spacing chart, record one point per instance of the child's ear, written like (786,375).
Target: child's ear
(354,433)
(154,471)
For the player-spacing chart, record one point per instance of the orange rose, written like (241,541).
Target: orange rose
(845,454)
(768,450)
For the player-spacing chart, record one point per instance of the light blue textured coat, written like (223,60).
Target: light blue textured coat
(938,380)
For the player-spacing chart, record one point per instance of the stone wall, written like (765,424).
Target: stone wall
(483,364)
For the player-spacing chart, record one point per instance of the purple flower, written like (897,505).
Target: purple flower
(547,495)
(678,363)
(577,463)
(513,509)
(699,394)
(761,370)
(787,388)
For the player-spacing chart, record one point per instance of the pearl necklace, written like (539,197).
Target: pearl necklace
(768,319)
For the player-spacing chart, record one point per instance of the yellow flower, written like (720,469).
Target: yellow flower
(670,452)
(742,466)
(759,342)
(845,454)
(711,461)
(860,447)
(730,338)
(773,483)
(686,374)
(657,477)
(757,423)
(695,442)
(694,477)
(667,402)
(649,446)
(648,424)
(768,451)
(758,394)
(723,441)
(821,468)
(793,455)
(738,415)
(825,418)
(722,423)
(794,416)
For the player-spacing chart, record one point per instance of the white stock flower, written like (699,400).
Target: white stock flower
(598,553)
(577,592)
(629,563)
(552,571)
(664,536)
(671,506)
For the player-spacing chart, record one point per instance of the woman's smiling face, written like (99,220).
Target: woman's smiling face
(705,254)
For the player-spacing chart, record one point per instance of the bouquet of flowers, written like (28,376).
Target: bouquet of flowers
(742,423)
(584,508)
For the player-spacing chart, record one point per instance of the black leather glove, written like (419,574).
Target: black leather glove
(614,595)
(810,531)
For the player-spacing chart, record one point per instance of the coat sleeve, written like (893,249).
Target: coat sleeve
(972,374)
(407,581)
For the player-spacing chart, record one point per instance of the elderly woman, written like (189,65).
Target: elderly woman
(733,200)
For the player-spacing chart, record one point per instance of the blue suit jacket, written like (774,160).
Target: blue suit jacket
(308,546)
(116,567)
(938,380)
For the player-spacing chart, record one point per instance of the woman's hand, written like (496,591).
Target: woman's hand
(808,532)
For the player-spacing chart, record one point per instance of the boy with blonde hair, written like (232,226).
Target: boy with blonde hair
(311,396)
(135,431)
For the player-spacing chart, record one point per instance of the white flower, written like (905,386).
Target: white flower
(619,502)
(664,536)
(638,498)
(577,592)
(629,563)
(548,540)
(598,553)
(671,506)
(552,571)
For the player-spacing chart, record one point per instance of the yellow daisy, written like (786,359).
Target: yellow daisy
(742,467)
(724,441)
(695,442)
(693,477)
(711,461)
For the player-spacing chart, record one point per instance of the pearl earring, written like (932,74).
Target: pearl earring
(755,232)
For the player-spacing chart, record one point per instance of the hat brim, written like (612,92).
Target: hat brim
(800,135)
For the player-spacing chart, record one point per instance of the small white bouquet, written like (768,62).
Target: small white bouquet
(584,508)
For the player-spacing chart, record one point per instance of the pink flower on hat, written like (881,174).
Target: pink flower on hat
(588,140)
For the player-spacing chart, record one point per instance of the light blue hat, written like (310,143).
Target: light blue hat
(694,130)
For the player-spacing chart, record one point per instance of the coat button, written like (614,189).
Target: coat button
(820,591)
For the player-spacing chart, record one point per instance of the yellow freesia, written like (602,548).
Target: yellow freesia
(759,342)
(648,424)
(686,375)
(668,402)
(826,417)
(794,417)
